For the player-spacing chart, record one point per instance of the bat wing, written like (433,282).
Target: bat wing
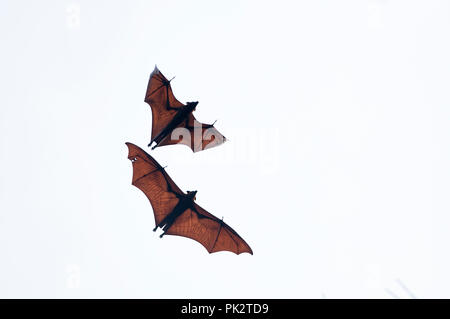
(208,230)
(154,182)
(163,103)
(196,135)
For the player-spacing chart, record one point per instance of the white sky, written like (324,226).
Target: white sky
(336,172)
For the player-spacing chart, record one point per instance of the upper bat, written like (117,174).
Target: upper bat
(173,121)
(176,212)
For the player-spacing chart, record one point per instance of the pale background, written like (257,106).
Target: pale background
(336,172)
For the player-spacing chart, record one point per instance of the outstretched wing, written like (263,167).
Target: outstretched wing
(196,135)
(154,182)
(208,230)
(163,103)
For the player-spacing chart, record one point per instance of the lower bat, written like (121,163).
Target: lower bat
(176,212)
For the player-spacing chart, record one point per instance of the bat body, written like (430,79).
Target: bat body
(180,116)
(176,212)
(184,202)
(173,121)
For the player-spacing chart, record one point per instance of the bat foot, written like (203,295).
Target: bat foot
(154,229)
(161,236)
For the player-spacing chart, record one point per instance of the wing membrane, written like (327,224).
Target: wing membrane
(162,101)
(208,230)
(154,182)
(194,134)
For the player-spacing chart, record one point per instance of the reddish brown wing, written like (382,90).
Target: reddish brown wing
(152,179)
(163,103)
(196,135)
(208,230)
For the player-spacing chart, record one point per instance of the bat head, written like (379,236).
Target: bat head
(192,194)
(191,106)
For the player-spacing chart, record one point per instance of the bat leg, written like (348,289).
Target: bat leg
(156,227)
(161,236)
(154,146)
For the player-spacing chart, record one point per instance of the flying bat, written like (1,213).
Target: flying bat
(176,212)
(173,121)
